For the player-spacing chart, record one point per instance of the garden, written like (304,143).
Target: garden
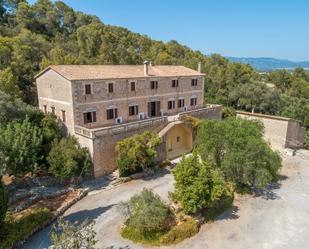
(230,156)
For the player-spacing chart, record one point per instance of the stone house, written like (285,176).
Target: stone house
(103,104)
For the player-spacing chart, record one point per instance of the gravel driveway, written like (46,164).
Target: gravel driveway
(278,218)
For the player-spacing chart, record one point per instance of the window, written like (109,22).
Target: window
(171,104)
(193,101)
(87,89)
(194,82)
(111,113)
(63,116)
(174,83)
(181,102)
(90,117)
(132,85)
(153,84)
(110,87)
(133,110)
(53,110)
(178,139)
(45,109)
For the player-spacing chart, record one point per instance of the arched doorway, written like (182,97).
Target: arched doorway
(178,139)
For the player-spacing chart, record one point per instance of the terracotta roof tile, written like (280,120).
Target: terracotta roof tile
(83,72)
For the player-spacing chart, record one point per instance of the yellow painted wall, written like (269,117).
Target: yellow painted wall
(178,141)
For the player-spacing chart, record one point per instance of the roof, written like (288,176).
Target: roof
(95,72)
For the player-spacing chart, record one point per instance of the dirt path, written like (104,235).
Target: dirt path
(277,219)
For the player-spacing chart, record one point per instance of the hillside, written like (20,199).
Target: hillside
(269,64)
(35,36)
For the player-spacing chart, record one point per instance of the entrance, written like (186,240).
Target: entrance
(154,109)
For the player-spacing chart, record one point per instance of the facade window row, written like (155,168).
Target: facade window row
(133,110)
(153,85)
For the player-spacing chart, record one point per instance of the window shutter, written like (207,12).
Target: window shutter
(116,113)
(85,118)
(94,116)
(149,109)
(158,108)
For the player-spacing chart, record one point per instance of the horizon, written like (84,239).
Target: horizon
(254,29)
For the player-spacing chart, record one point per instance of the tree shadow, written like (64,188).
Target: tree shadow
(268,193)
(97,184)
(158,173)
(91,214)
(230,214)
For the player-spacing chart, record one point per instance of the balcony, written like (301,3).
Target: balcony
(149,122)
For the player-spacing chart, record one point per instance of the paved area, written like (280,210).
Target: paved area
(277,218)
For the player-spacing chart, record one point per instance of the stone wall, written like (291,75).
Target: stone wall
(279,132)
(104,156)
(122,97)
(55,91)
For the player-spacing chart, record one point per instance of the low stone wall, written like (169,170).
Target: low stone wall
(280,132)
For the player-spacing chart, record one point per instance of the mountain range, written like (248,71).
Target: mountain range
(269,64)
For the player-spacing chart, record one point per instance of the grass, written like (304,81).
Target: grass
(17,227)
(176,234)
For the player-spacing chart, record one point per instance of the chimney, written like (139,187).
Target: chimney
(199,67)
(146,65)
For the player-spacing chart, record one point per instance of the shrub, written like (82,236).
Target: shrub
(136,153)
(188,228)
(3,203)
(51,130)
(20,145)
(236,148)
(228,112)
(147,214)
(198,185)
(68,159)
(73,236)
(19,226)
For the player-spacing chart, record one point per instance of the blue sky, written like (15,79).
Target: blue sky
(242,28)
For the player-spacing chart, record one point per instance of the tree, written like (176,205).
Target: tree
(198,185)
(73,236)
(8,83)
(20,145)
(136,152)
(3,202)
(68,159)
(235,146)
(147,213)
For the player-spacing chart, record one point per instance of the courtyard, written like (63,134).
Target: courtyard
(277,217)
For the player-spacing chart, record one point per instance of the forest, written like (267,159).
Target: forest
(35,36)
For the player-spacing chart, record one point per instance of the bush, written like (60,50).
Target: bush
(67,159)
(18,227)
(136,153)
(20,146)
(186,229)
(198,185)
(3,203)
(236,148)
(51,130)
(147,214)
(228,112)
(73,236)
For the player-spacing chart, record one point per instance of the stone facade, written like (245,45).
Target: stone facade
(280,132)
(83,103)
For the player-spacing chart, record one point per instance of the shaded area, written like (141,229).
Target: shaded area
(91,214)
(230,214)
(268,193)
